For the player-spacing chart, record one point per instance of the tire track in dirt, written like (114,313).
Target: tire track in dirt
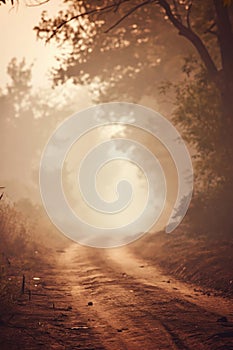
(106,299)
(118,323)
(190,323)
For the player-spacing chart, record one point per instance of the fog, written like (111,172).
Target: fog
(31,109)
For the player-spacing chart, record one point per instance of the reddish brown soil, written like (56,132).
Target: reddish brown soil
(203,261)
(96,299)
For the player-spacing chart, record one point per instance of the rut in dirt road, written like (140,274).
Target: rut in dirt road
(107,299)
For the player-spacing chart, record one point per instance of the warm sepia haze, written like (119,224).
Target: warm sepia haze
(116,124)
(18,40)
(113,172)
(25,139)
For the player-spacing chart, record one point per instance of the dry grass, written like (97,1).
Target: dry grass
(201,260)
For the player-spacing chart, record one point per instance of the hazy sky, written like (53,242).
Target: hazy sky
(17,39)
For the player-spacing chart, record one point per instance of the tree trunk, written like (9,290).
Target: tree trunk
(225,83)
(225,38)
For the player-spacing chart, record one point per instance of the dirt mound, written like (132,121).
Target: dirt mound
(203,261)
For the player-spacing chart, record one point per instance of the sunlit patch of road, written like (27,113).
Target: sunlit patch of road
(147,308)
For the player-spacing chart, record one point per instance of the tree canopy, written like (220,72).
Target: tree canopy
(82,25)
(127,48)
(124,49)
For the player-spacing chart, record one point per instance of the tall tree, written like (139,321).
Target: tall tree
(134,26)
(82,21)
(131,29)
(121,43)
(28,117)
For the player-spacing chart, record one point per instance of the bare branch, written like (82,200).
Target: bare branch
(193,38)
(210,30)
(210,27)
(188,15)
(118,5)
(83,14)
(214,32)
(133,9)
(174,18)
(177,13)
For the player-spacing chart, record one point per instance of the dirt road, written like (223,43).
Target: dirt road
(109,299)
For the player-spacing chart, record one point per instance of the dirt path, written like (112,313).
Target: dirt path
(96,299)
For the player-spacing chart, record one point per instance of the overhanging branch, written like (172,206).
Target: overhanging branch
(86,13)
(177,13)
(133,9)
(188,15)
(193,38)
